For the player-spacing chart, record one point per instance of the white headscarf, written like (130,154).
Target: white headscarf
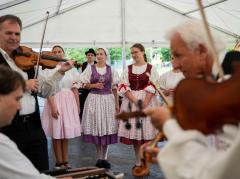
(108,60)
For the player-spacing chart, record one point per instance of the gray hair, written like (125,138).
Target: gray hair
(193,33)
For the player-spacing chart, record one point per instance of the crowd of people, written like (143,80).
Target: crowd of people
(66,115)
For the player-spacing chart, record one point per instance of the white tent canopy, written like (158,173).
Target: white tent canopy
(116,23)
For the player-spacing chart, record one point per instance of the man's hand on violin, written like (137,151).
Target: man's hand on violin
(153,151)
(158,115)
(32,85)
(66,66)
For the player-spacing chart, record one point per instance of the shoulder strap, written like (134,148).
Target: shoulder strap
(130,69)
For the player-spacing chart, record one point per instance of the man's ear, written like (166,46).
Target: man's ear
(203,51)
(205,60)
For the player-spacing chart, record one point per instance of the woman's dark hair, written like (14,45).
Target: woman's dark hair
(141,48)
(10,80)
(58,46)
(11,18)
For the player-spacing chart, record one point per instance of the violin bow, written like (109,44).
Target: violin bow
(165,99)
(41,45)
(210,39)
(237,46)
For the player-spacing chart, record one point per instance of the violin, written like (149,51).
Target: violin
(25,58)
(210,106)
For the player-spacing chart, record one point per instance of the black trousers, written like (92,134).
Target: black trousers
(30,138)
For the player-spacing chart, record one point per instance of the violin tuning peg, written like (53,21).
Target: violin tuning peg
(140,104)
(128,126)
(129,106)
(138,124)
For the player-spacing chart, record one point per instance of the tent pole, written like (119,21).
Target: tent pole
(123,34)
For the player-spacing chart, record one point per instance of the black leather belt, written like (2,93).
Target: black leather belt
(27,117)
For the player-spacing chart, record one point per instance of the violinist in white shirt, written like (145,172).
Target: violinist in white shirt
(187,154)
(26,130)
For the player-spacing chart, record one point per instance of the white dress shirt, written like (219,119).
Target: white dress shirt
(13,164)
(187,154)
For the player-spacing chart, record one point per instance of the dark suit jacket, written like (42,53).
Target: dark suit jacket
(85,65)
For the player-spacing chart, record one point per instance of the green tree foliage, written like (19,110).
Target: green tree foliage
(165,54)
(115,54)
(77,54)
(128,54)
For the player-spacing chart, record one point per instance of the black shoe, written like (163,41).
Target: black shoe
(99,163)
(106,164)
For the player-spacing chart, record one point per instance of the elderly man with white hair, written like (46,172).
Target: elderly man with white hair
(187,154)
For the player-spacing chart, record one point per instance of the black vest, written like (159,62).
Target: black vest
(3,61)
(85,65)
(30,74)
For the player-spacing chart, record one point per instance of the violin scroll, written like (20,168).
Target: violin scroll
(143,169)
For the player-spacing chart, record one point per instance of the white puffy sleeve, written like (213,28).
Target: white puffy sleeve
(152,81)
(75,78)
(162,81)
(115,78)
(124,84)
(47,72)
(49,82)
(85,77)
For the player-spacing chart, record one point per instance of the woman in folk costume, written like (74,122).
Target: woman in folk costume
(136,86)
(98,120)
(60,118)
(170,79)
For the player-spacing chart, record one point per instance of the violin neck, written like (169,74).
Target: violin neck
(136,114)
(48,57)
(126,115)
